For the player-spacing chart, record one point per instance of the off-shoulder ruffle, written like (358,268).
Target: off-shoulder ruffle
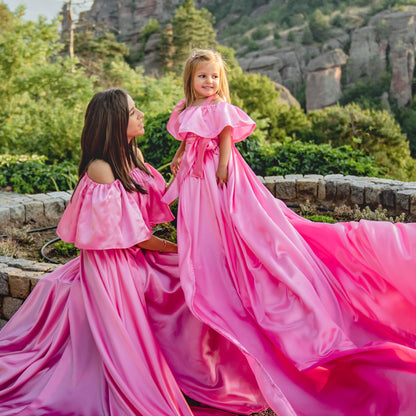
(153,209)
(106,216)
(209,120)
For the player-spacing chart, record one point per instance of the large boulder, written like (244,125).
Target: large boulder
(323,82)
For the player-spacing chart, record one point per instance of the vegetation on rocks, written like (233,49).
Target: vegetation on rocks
(44,95)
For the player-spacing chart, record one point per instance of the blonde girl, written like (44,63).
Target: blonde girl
(321,311)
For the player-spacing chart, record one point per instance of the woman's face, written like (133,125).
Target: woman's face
(135,126)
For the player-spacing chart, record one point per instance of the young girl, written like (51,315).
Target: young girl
(109,333)
(324,312)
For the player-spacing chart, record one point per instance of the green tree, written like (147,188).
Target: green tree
(372,131)
(257,95)
(319,26)
(97,53)
(307,37)
(42,101)
(191,29)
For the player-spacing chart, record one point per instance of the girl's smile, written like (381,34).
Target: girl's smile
(206,79)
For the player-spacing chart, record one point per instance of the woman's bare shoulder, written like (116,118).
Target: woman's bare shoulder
(100,171)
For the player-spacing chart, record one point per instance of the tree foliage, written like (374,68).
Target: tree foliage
(44,94)
(372,131)
(191,28)
(41,99)
(296,157)
(257,94)
(319,26)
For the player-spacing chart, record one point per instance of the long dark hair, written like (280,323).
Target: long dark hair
(104,136)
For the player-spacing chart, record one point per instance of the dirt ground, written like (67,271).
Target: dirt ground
(29,241)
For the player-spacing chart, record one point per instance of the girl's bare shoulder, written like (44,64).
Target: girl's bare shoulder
(218,100)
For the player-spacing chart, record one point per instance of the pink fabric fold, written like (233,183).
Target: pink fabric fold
(110,334)
(323,312)
(87,224)
(209,120)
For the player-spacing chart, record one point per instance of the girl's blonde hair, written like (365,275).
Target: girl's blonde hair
(203,56)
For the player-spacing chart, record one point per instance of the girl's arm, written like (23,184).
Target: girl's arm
(157,244)
(225,152)
(176,161)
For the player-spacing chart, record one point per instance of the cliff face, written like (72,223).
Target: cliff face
(389,39)
(127,17)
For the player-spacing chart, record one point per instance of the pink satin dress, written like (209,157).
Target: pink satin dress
(325,313)
(109,333)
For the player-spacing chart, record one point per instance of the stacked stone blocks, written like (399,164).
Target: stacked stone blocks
(18,277)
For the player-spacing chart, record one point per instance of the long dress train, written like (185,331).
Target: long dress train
(109,333)
(324,312)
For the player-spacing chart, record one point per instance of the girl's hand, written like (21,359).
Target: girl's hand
(222,175)
(175,164)
(225,152)
(176,161)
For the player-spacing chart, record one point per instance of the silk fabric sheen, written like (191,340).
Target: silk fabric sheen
(323,312)
(109,333)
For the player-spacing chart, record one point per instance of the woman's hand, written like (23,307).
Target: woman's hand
(158,244)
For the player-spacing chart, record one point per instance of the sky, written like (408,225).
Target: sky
(48,8)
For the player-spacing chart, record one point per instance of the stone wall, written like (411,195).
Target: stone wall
(37,208)
(336,190)
(18,276)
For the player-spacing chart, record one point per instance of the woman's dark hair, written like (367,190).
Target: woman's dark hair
(104,136)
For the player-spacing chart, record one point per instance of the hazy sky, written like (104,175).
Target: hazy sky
(48,8)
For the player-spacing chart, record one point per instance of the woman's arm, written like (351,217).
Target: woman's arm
(158,244)
(176,161)
(225,152)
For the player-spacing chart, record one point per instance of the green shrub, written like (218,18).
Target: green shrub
(320,218)
(319,26)
(296,157)
(307,37)
(157,145)
(31,174)
(372,131)
(291,36)
(260,33)
(65,249)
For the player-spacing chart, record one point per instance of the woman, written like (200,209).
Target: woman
(109,332)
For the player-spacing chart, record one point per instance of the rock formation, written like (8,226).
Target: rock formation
(386,42)
(323,80)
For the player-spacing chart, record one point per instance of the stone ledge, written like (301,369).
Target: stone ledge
(336,190)
(326,191)
(18,277)
(22,209)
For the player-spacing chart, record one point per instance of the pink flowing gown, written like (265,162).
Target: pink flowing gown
(325,313)
(109,333)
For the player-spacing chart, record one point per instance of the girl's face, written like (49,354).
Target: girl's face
(206,79)
(135,126)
